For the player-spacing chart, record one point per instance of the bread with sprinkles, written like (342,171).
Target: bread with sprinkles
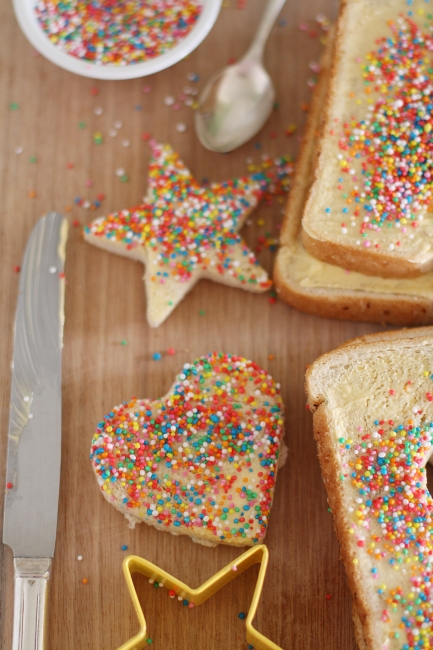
(202,460)
(372,405)
(370,207)
(183,232)
(325,289)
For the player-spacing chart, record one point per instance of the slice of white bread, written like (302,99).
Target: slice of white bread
(369,209)
(317,287)
(375,478)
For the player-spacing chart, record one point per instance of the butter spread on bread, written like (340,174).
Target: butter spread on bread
(370,207)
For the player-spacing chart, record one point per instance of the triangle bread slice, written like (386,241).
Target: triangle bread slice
(324,289)
(348,390)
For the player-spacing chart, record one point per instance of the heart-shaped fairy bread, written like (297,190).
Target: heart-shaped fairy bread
(201,461)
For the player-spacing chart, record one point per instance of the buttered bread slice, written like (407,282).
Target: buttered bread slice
(328,290)
(372,405)
(370,208)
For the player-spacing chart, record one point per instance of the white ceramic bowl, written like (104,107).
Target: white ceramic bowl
(24,11)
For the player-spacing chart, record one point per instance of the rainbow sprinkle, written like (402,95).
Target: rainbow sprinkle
(192,228)
(117,33)
(203,459)
(388,155)
(392,521)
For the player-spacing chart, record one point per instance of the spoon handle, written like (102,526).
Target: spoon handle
(270,14)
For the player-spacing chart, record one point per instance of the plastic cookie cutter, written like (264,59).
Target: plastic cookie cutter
(256,555)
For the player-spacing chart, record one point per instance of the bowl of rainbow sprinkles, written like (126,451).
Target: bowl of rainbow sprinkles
(116,39)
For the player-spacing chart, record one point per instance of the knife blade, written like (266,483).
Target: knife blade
(34,438)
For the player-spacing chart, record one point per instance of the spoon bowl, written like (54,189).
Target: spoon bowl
(234,105)
(237,101)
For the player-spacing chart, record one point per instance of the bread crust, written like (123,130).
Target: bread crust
(359,634)
(330,472)
(368,261)
(384,308)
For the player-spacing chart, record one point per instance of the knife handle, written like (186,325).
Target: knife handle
(30,603)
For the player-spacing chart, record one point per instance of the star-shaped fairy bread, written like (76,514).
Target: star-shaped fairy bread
(184,232)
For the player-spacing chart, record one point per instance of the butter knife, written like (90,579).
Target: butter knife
(34,438)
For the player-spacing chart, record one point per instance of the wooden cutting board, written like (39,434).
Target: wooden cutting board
(109,346)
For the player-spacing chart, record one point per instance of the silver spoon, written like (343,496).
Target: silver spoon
(237,101)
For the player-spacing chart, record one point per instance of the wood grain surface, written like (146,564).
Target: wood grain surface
(306,602)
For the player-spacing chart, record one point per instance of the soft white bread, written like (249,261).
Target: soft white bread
(372,408)
(317,287)
(202,460)
(369,209)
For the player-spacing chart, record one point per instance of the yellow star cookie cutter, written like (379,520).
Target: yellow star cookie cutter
(256,555)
